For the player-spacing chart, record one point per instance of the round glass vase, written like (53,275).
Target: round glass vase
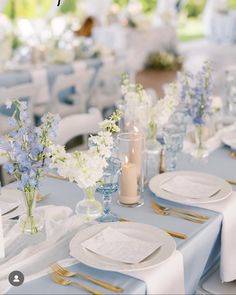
(201,134)
(30,221)
(89,208)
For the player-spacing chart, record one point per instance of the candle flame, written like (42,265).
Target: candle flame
(126,160)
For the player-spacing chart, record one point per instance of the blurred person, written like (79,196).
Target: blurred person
(87,27)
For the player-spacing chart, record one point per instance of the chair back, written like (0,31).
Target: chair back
(27,91)
(80,81)
(81,124)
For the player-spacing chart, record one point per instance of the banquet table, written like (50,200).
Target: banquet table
(200,250)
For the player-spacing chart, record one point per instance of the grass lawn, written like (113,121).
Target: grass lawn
(190,29)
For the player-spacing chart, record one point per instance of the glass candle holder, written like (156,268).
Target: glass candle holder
(131,155)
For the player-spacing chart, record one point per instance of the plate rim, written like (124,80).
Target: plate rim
(189,201)
(132,268)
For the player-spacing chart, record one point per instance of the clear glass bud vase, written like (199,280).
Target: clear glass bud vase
(201,134)
(89,208)
(30,221)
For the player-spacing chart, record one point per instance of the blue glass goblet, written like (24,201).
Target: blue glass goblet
(109,185)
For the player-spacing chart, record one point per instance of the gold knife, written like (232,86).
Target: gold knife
(175,234)
(170,232)
(231,182)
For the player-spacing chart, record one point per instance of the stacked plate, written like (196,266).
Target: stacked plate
(120,246)
(190,187)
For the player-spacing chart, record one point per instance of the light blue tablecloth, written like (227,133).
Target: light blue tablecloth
(200,250)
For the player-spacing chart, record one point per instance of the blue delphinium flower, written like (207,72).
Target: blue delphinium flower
(195,92)
(27,147)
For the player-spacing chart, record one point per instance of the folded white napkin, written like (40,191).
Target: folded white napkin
(228,238)
(117,246)
(212,143)
(33,256)
(190,187)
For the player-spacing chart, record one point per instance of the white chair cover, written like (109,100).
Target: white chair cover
(81,124)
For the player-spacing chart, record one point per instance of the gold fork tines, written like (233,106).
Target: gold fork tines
(162,212)
(65,282)
(67,273)
(180,210)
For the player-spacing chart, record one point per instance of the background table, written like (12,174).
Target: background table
(200,251)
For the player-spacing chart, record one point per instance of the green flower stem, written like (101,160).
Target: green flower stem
(152,130)
(30,200)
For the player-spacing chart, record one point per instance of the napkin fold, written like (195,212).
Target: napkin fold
(33,255)
(190,187)
(113,244)
(228,238)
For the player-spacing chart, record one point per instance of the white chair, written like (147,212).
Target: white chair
(79,99)
(81,124)
(28,91)
(106,89)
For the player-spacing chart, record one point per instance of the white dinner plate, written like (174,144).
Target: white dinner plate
(136,230)
(10,199)
(156,182)
(229,139)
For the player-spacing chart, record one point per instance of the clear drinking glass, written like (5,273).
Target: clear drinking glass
(109,185)
(131,155)
(173,138)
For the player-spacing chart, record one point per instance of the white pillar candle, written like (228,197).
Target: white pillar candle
(135,151)
(128,184)
(2,251)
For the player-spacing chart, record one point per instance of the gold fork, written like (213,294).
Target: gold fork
(66,273)
(65,282)
(181,211)
(161,212)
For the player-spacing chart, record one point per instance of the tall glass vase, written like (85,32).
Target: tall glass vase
(30,221)
(89,208)
(152,152)
(200,151)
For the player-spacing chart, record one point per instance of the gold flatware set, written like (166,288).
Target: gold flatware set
(160,211)
(61,274)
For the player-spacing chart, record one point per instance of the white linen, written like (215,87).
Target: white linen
(26,254)
(190,187)
(166,278)
(212,143)
(228,238)
(54,246)
(117,246)
(7,206)
(40,78)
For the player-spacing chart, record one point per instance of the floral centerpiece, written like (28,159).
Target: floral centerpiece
(86,168)
(195,91)
(27,151)
(164,60)
(145,112)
